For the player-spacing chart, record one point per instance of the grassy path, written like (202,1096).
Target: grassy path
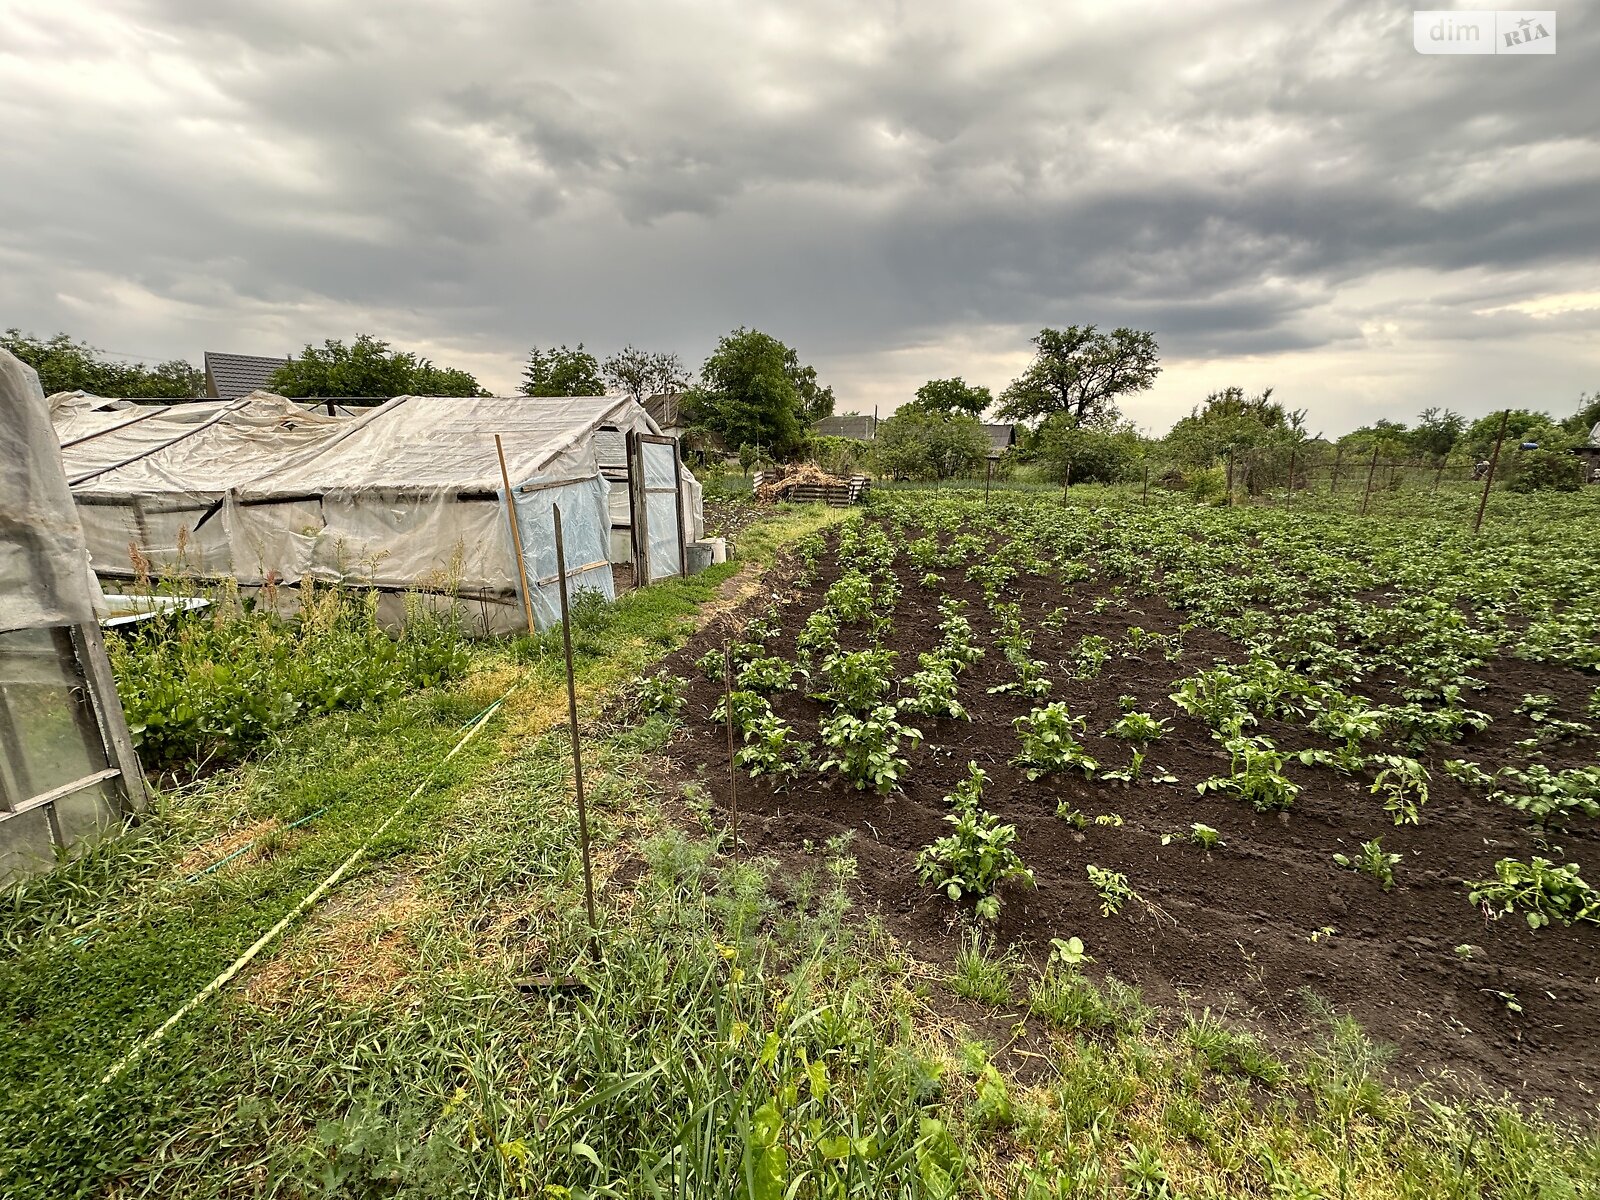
(99,954)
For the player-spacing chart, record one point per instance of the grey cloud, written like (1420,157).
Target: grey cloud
(858,179)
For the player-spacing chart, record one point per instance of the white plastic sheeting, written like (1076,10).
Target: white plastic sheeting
(661,509)
(404,496)
(153,480)
(44,565)
(585,539)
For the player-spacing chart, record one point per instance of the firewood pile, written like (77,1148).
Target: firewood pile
(781,483)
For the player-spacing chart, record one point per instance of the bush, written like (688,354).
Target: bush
(1537,470)
(199,689)
(1208,486)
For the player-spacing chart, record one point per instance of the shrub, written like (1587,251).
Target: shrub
(211,687)
(1539,470)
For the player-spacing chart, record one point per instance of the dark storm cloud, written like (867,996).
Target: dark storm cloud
(859,178)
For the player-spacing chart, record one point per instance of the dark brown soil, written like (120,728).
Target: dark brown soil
(1251,926)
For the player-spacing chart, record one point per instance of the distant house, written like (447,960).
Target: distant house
(1001,438)
(863,427)
(229,376)
(665,410)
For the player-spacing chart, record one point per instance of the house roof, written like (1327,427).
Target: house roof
(861,426)
(229,376)
(663,409)
(1001,437)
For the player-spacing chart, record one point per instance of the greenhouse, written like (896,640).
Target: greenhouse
(67,766)
(405,497)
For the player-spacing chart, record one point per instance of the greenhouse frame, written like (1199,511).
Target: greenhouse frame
(68,771)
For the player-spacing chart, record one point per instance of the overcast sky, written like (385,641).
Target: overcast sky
(1287,195)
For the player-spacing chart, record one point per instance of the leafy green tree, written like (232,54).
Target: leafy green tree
(1392,438)
(66,365)
(748,457)
(559,371)
(1586,418)
(1523,425)
(1081,372)
(1230,421)
(922,445)
(367,368)
(947,397)
(1101,453)
(640,374)
(753,389)
(1437,432)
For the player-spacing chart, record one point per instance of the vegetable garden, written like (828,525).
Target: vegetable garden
(1236,757)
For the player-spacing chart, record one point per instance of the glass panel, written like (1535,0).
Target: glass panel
(48,733)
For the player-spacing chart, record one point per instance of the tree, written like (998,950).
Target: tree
(1437,432)
(559,371)
(1390,437)
(1586,418)
(923,445)
(1101,453)
(367,368)
(753,389)
(1523,425)
(65,365)
(639,374)
(948,397)
(1081,372)
(1230,421)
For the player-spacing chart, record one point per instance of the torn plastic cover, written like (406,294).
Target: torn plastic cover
(44,567)
(586,539)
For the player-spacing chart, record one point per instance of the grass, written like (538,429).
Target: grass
(736,1031)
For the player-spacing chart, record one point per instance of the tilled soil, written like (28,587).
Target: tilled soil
(1250,927)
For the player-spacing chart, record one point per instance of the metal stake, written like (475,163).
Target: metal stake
(516,538)
(1488,481)
(733,767)
(572,718)
(1367,495)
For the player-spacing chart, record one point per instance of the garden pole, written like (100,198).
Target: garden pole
(1438,475)
(1294,455)
(988,482)
(1371,470)
(733,767)
(1230,478)
(1488,480)
(1333,483)
(1145,499)
(572,721)
(516,537)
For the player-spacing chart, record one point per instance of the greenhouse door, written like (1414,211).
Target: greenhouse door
(656,503)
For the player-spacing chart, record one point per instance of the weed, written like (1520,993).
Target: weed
(1372,861)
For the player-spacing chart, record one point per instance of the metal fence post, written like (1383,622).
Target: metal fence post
(572,720)
(1488,480)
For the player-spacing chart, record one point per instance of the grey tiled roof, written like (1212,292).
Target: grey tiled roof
(232,375)
(1001,437)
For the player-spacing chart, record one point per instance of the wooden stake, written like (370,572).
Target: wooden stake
(516,538)
(1294,458)
(733,767)
(988,482)
(1145,499)
(1371,470)
(1066,482)
(1488,481)
(1338,457)
(1230,478)
(572,719)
